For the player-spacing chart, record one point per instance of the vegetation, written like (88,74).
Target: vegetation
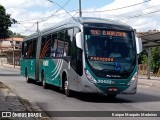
(155,58)
(17,35)
(5,23)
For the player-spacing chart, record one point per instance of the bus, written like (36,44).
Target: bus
(83,54)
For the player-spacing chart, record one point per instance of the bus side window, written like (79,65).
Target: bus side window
(45,46)
(76,54)
(22,53)
(25,49)
(60,44)
(30,49)
(34,48)
(43,39)
(68,40)
(53,45)
(48,46)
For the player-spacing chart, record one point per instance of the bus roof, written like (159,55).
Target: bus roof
(98,20)
(79,21)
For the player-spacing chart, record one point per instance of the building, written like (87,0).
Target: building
(10,50)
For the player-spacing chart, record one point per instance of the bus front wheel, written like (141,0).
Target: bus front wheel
(67,91)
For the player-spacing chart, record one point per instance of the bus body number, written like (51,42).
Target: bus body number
(106,81)
(46,63)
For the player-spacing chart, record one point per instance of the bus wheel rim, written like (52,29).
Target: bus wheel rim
(27,77)
(43,83)
(66,85)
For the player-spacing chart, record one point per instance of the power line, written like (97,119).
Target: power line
(117,8)
(54,14)
(137,16)
(138,10)
(24,27)
(44,17)
(49,16)
(63,9)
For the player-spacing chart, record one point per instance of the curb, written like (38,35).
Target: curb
(30,106)
(149,84)
(10,66)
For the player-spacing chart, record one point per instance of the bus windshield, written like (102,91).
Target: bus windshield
(110,53)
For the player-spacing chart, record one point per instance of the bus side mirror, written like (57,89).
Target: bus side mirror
(79,40)
(139,45)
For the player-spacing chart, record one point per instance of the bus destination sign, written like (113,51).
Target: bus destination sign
(108,33)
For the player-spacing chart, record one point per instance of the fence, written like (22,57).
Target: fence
(142,69)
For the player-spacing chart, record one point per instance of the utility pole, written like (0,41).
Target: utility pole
(13,45)
(37,27)
(148,63)
(1,51)
(80,10)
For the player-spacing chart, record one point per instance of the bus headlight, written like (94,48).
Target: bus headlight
(134,78)
(90,77)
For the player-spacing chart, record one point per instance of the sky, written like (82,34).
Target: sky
(142,15)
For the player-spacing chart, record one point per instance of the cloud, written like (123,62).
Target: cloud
(136,16)
(24,3)
(140,17)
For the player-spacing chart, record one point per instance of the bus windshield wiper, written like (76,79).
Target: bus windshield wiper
(103,70)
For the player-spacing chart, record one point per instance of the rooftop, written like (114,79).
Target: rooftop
(12,39)
(150,38)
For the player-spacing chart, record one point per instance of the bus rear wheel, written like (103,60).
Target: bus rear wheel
(28,80)
(44,84)
(67,91)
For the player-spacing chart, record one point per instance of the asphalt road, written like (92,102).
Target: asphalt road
(146,99)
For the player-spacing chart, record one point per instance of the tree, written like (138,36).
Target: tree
(5,23)
(17,35)
(142,59)
(155,59)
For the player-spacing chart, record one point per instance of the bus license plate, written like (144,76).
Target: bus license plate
(112,89)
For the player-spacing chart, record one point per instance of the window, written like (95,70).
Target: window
(68,40)
(16,47)
(60,44)
(45,46)
(22,50)
(34,48)
(30,49)
(76,53)
(17,42)
(25,49)
(53,45)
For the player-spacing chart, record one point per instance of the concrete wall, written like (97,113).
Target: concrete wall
(3,60)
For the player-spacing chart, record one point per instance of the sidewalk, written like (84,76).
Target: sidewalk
(11,66)
(10,102)
(153,81)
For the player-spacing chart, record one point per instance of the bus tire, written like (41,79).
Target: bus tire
(44,84)
(28,80)
(67,91)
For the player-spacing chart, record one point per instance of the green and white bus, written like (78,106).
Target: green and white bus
(88,55)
